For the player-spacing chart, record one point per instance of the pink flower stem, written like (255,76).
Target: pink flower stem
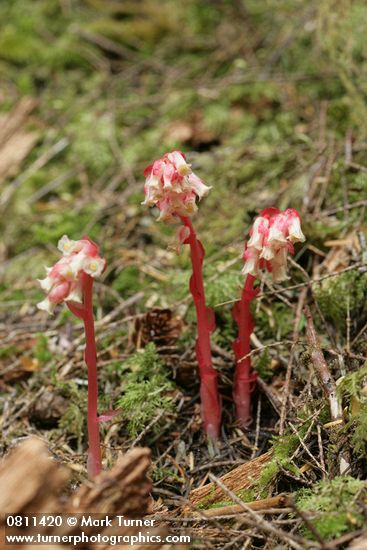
(210,403)
(85,312)
(244,376)
(94,451)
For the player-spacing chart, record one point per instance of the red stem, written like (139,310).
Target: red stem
(244,376)
(210,403)
(85,312)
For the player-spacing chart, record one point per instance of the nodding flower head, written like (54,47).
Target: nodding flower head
(271,238)
(64,281)
(173,187)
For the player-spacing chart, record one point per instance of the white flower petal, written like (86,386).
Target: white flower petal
(181,165)
(46,305)
(267,253)
(94,267)
(199,187)
(295,231)
(77,263)
(251,266)
(76,295)
(67,246)
(46,284)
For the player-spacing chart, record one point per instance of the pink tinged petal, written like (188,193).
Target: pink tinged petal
(46,305)
(278,231)
(178,161)
(168,175)
(59,292)
(251,258)
(157,168)
(258,233)
(89,248)
(183,233)
(62,268)
(269,213)
(54,271)
(148,170)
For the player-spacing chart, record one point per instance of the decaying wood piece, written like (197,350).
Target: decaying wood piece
(16,141)
(359,543)
(31,481)
(242,477)
(23,476)
(124,490)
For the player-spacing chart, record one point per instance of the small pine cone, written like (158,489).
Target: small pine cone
(158,326)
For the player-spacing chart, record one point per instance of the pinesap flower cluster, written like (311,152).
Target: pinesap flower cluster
(173,187)
(64,281)
(271,238)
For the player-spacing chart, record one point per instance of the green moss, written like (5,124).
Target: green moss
(159,474)
(275,322)
(145,391)
(283,448)
(74,420)
(72,423)
(262,366)
(222,286)
(41,350)
(246,495)
(332,506)
(337,294)
(8,351)
(351,390)
(61,222)
(128,281)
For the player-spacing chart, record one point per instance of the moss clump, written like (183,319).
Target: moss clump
(262,366)
(333,505)
(247,495)
(352,390)
(275,322)
(222,285)
(145,391)
(283,448)
(73,421)
(41,350)
(337,295)
(128,281)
